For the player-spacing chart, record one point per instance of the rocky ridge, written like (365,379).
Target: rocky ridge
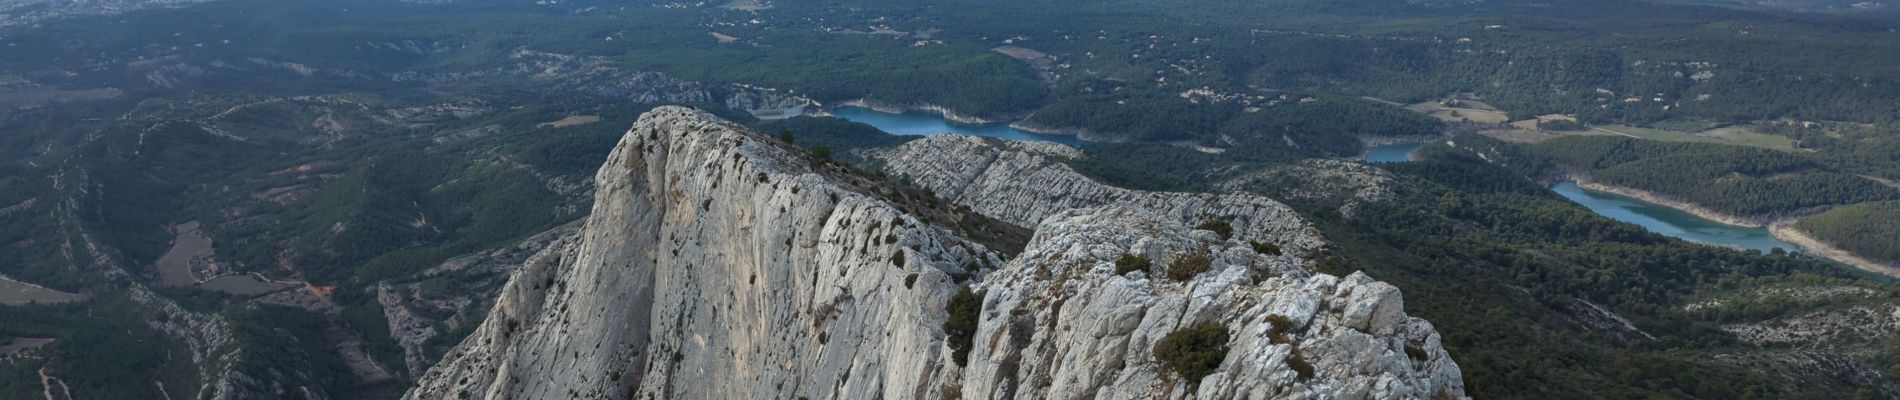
(1059,323)
(720,264)
(1024,182)
(1349,184)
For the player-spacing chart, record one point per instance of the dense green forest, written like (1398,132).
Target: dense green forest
(331,37)
(1872,149)
(1871,230)
(1585,58)
(1317,126)
(1606,61)
(104,348)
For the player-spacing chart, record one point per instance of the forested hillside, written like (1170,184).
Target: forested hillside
(1329,126)
(1868,229)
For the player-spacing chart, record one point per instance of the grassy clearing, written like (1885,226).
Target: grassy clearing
(573,120)
(15,293)
(1471,110)
(1732,135)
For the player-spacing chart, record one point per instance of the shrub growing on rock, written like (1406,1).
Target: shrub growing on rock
(822,154)
(1129,262)
(961,326)
(1417,353)
(1278,326)
(1189,266)
(1193,352)
(1265,248)
(1219,227)
(1299,365)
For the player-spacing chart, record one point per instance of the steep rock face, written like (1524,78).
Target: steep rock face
(716,265)
(1024,182)
(719,265)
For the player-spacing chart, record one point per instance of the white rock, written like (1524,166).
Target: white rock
(719,265)
(1024,182)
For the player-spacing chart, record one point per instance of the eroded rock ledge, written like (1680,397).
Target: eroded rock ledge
(718,264)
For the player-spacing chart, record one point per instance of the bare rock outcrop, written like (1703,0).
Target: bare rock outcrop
(1059,323)
(1024,182)
(719,264)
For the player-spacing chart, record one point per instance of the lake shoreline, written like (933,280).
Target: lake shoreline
(1665,201)
(1782,229)
(1079,133)
(1018,121)
(946,112)
(1786,231)
(1369,141)
(923,122)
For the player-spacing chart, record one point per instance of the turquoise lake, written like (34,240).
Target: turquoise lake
(1669,221)
(1391,153)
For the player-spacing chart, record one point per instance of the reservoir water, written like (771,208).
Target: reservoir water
(924,123)
(1670,221)
(1655,217)
(1391,153)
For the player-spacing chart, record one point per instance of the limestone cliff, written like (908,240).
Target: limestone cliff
(719,264)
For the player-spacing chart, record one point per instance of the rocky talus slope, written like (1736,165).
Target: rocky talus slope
(719,264)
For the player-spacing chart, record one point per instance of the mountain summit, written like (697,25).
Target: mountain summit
(721,264)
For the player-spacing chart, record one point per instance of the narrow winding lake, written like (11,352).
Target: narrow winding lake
(1655,217)
(1670,221)
(925,123)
